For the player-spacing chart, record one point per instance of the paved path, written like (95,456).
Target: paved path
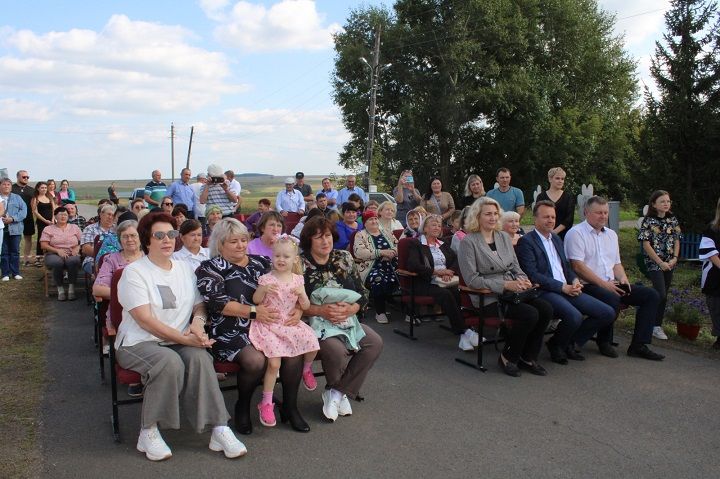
(424,416)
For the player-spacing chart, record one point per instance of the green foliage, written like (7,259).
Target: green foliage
(683,314)
(483,83)
(679,148)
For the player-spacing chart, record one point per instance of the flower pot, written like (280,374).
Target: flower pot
(689,331)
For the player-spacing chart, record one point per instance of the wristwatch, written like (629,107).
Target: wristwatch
(253,312)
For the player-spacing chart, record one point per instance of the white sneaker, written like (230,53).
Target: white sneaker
(17,276)
(153,445)
(224,440)
(330,405)
(659,333)
(465,343)
(472,336)
(344,408)
(381,318)
(553,325)
(6,278)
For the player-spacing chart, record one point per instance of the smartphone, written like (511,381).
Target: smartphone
(624,287)
(409,179)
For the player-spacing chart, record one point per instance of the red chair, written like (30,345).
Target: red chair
(475,317)
(100,309)
(408,298)
(398,233)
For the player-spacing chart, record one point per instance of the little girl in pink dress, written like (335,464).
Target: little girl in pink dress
(282,289)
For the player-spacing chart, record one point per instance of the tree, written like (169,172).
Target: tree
(479,84)
(680,141)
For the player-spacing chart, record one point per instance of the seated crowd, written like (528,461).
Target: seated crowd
(274,290)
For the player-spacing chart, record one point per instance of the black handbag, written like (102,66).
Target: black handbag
(517,297)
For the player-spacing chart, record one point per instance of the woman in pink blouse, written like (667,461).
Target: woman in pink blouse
(61,243)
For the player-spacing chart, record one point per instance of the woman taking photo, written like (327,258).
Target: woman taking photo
(437,201)
(564,201)
(61,244)
(325,267)
(375,252)
(406,195)
(474,189)
(192,250)
(269,228)
(487,260)
(227,282)
(42,206)
(162,337)
(660,237)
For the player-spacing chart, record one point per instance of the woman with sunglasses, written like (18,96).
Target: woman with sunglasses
(162,337)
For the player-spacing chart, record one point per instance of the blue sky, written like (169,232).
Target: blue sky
(88,89)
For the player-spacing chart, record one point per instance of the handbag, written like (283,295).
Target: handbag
(517,297)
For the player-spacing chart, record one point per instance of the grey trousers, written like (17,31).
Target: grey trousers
(345,371)
(171,374)
(58,265)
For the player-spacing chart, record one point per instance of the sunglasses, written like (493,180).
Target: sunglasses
(167,204)
(25,177)
(160,235)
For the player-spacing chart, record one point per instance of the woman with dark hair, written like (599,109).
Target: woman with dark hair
(42,206)
(192,250)
(180,213)
(347,226)
(61,243)
(326,268)
(301,224)
(710,279)
(269,228)
(437,201)
(66,194)
(228,282)
(51,191)
(162,337)
(660,237)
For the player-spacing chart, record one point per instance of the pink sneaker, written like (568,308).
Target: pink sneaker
(309,380)
(267,414)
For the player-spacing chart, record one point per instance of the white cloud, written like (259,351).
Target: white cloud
(287,25)
(129,66)
(12,109)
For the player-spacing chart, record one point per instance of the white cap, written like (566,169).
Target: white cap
(289,180)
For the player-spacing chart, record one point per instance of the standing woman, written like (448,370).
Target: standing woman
(564,201)
(710,281)
(406,195)
(51,191)
(438,202)
(474,189)
(66,195)
(660,236)
(42,206)
(487,260)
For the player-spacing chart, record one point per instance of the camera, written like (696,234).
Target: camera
(216,180)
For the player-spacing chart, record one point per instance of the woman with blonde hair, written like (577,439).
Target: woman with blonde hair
(487,261)
(564,201)
(510,223)
(474,189)
(386,215)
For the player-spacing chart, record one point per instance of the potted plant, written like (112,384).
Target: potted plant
(688,320)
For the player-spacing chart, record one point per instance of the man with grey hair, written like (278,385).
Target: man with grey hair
(594,254)
(155,190)
(182,193)
(350,188)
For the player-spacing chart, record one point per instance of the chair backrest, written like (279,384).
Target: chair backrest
(115,306)
(351,244)
(403,250)
(398,233)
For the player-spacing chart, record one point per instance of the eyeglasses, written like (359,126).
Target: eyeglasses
(25,177)
(167,204)
(128,236)
(160,235)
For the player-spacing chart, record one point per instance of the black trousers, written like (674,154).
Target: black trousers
(528,322)
(448,299)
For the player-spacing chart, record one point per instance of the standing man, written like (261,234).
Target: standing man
(305,189)
(349,189)
(217,192)
(155,190)
(182,193)
(290,204)
(13,219)
(542,257)
(509,197)
(594,253)
(199,209)
(25,191)
(330,193)
(235,187)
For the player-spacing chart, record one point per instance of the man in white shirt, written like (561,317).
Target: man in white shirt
(234,186)
(594,253)
(542,257)
(290,204)
(199,208)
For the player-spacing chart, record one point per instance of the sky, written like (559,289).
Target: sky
(88,90)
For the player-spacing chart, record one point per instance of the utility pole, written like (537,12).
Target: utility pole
(172,150)
(187,163)
(374,78)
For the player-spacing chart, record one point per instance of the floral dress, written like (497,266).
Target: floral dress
(339,272)
(220,282)
(276,340)
(662,233)
(381,279)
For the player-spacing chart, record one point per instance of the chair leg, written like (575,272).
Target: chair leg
(410,334)
(113,388)
(479,362)
(46,281)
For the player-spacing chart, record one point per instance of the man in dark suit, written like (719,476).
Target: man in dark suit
(542,257)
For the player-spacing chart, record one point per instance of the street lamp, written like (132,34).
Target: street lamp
(374,79)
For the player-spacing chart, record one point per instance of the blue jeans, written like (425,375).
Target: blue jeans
(10,257)
(571,309)
(646,299)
